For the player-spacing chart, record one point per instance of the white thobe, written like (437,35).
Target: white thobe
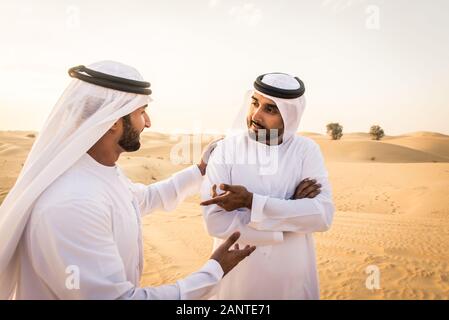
(84,240)
(284,264)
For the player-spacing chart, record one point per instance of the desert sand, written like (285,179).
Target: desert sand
(392,212)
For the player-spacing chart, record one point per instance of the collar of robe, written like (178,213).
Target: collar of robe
(278,92)
(109,81)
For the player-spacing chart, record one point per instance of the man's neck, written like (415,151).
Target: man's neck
(103,155)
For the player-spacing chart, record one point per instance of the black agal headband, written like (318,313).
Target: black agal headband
(110,81)
(278,92)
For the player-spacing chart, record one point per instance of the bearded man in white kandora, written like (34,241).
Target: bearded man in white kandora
(275,191)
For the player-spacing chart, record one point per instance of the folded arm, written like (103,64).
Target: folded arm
(221,223)
(300,215)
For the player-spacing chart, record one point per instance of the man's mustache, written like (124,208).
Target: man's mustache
(257,124)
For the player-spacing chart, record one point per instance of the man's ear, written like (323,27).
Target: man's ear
(116,126)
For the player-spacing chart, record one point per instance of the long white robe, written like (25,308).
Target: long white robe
(88,223)
(284,264)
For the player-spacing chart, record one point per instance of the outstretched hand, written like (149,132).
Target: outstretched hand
(227,258)
(233,198)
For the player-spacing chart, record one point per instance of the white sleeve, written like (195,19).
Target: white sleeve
(221,223)
(77,237)
(301,215)
(168,193)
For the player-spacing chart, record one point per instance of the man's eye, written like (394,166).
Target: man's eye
(270,109)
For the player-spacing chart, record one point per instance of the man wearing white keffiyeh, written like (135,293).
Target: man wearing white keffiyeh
(275,192)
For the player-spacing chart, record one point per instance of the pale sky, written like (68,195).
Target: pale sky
(363,62)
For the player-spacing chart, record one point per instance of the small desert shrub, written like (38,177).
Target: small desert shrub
(335,130)
(376,132)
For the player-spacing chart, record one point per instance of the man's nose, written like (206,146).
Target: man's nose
(147,121)
(257,115)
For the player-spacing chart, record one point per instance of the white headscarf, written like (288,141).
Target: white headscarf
(291,109)
(83,114)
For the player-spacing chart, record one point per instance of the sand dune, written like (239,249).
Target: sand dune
(359,147)
(362,150)
(427,134)
(392,212)
(436,145)
(311,134)
(354,136)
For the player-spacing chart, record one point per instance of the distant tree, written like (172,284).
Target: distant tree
(376,132)
(335,130)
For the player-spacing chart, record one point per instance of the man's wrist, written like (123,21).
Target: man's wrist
(249,202)
(202,167)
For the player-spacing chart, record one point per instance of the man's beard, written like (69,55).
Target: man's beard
(263,135)
(130,139)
